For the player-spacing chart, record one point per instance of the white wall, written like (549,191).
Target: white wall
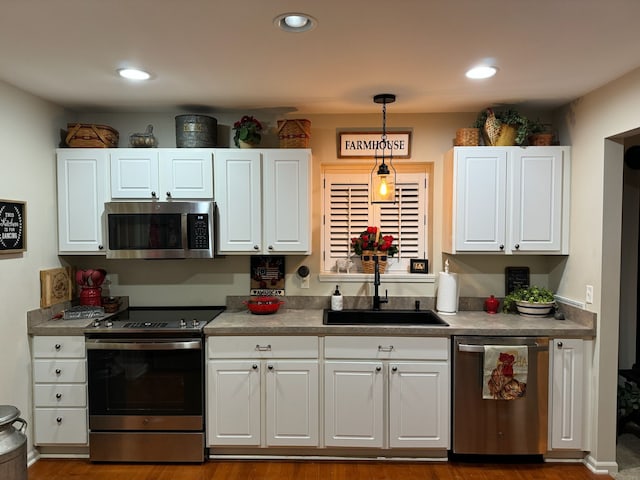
(28,131)
(595,126)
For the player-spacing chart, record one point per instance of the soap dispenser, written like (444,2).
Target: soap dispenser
(336,300)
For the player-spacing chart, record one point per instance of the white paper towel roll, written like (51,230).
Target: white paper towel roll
(447,301)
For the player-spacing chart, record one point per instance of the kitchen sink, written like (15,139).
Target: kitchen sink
(383,317)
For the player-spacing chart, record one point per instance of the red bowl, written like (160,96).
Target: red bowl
(263,305)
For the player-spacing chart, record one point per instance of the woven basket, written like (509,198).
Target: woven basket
(368,262)
(81,135)
(467,137)
(294,133)
(541,139)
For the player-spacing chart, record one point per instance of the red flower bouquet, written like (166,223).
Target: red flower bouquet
(371,239)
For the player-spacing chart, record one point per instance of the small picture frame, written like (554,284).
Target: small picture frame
(419,265)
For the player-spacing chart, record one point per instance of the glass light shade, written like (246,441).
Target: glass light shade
(383,185)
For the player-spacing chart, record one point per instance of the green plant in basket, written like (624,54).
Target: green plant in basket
(247,130)
(533,294)
(488,118)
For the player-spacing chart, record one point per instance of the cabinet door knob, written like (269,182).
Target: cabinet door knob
(394,368)
(100,247)
(559,344)
(153,194)
(378,368)
(59,420)
(168,194)
(270,367)
(270,247)
(58,396)
(254,366)
(501,247)
(58,346)
(256,247)
(517,246)
(58,371)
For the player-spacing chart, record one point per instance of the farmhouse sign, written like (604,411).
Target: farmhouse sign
(368,144)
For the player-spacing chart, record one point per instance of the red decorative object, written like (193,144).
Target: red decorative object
(491,304)
(263,305)
(91,296)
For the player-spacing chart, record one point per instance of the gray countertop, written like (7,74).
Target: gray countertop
(309,322)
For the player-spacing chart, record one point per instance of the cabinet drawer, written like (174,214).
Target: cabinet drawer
(263,347)
(58,395)
(424,348)
(60,425)
(58,347)
(59,371)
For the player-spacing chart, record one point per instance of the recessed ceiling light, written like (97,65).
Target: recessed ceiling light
(295,22)
(133,74)
(483,71)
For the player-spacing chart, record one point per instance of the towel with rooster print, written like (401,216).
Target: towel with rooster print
(505,372)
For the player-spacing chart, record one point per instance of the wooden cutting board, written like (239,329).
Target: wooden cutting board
(56,286)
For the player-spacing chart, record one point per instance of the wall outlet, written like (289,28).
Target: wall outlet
(589,294)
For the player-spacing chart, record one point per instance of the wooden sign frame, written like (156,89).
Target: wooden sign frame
(366,144)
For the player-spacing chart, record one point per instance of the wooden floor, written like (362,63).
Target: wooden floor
(47,469)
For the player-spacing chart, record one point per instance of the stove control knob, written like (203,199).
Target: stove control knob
(109,323)
(96,323)
(195,323)
(183,323)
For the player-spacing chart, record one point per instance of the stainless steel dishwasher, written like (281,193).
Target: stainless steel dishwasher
(489,426)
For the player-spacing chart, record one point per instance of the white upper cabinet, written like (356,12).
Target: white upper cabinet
(263,200)
(144,173)
(83,188)
(507,200)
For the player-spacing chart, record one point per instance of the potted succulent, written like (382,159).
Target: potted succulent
(247,132)
(502,128)
(531,301)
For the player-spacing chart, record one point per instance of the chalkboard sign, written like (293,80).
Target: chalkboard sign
(515,278)
(13,227)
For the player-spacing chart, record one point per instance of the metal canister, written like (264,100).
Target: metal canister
(196,131)
(13,444)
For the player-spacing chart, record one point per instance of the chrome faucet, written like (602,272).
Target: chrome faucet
(376,283)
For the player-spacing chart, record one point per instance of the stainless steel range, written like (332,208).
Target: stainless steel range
(146,385)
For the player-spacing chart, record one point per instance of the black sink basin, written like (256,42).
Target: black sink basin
(383,317)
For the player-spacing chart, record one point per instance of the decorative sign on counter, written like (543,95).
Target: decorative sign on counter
(267,275)
(366,144)
(13,226)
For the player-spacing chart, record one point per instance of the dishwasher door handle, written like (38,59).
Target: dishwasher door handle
(474,348)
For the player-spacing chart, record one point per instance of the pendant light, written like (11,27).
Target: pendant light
(383,176)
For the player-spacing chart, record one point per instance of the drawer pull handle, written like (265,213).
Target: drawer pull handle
(58,396)
(59,420)
(58,371)
(263,348)
(57,346)
(385,349)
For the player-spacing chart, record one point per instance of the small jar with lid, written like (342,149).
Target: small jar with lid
(491,305)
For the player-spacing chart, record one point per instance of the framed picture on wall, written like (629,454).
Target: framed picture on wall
(13,226)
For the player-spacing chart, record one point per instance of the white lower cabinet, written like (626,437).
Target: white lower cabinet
(60,390)
(262,391)
(361,373)
(566,403)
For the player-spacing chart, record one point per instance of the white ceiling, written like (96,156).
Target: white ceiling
(227,54)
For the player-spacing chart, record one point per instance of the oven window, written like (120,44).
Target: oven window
(159,382)
(141,231)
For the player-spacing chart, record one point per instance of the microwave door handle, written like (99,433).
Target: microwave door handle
(94,344)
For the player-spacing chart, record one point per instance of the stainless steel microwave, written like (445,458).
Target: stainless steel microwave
(157,230)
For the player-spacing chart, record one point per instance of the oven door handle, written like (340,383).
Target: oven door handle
(97,344)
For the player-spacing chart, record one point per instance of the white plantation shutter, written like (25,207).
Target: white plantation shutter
(347,213)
